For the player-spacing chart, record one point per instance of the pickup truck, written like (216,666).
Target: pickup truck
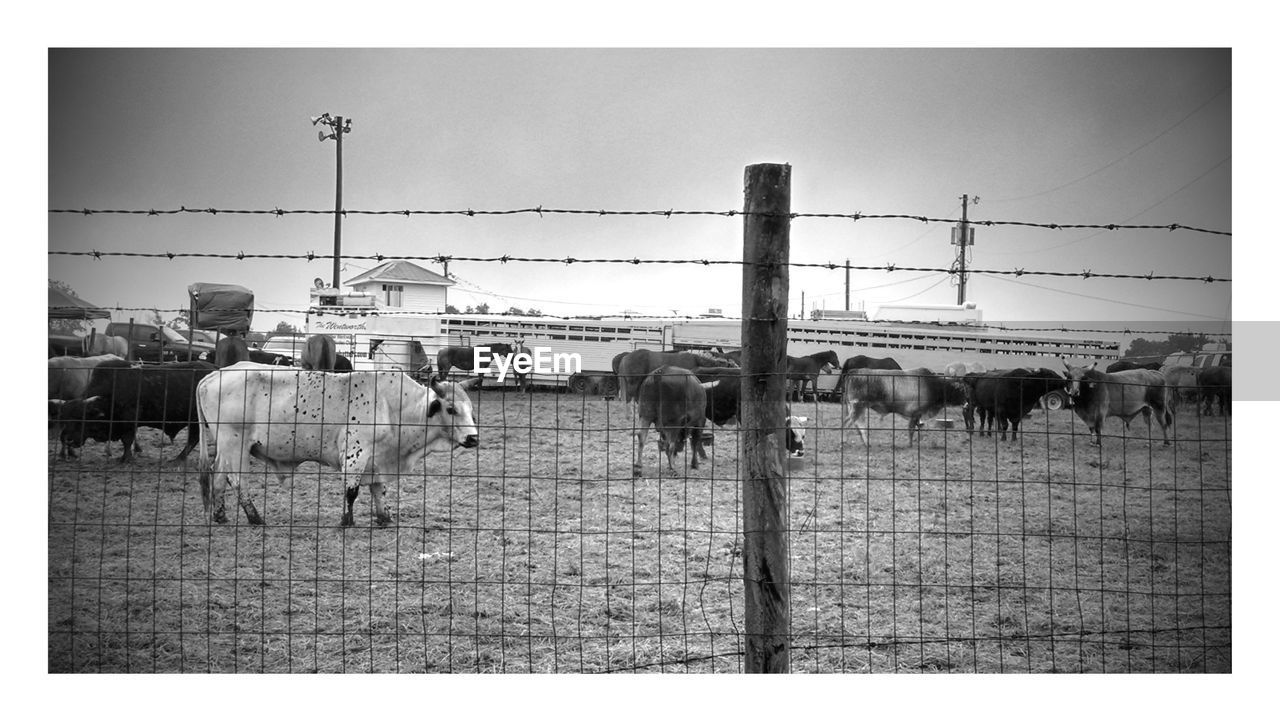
(155,344)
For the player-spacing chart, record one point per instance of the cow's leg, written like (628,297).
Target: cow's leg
(130,440)
(1014,423)
(642,435)
(695,437)
(853,412)
(1001,420)
(349,516)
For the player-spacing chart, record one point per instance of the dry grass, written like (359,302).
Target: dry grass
(541,553)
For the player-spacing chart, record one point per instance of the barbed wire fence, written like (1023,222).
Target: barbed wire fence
(558,546)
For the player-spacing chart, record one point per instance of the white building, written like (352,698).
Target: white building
(402,286)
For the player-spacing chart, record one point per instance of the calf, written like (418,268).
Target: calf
(121,398)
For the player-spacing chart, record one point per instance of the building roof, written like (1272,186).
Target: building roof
(400,271)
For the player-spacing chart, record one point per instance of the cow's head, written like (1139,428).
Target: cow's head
(1076,378)
(451,411)
(81,419)
(795,434)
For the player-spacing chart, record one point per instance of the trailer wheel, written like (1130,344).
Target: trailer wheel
(1054,401)
(580,383)
(609,386)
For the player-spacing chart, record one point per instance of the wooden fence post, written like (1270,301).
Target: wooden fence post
(766,228)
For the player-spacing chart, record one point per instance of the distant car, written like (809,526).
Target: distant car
(286,345)
(255,339)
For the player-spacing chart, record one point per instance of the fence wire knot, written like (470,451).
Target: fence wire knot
(279,213)
(240,255)
(1086,273)
(311,255)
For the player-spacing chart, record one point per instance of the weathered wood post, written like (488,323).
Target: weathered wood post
(766,226)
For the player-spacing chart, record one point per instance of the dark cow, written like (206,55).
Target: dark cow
(320,353)
(342,364)
(635,366)
(1124,365)
(121,398)
(1215,383)
(914,394)
(270,359)
(230,349)
(805,370)
(1007,396)
(675,401)
(69,378)
(1096,395)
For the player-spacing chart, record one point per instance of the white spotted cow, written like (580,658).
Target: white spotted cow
(370,425)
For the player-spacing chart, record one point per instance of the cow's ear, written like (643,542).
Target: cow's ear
(434,408)
(470,383)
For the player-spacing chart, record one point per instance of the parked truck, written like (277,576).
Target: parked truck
(159,343)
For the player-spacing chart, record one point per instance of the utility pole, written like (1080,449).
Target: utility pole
(846,284)
(962,237)
(337,128)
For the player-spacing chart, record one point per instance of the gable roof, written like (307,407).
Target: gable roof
(400,271)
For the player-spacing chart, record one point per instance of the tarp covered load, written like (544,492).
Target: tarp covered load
(66,307)
(221,307)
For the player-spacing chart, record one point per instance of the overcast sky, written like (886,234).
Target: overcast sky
(1089,136)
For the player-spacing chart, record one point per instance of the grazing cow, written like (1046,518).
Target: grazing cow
(1007,396)
(101,344)
(795,433)
(229,350)
(1125,365)
(1096,395)
(675,401)
(68,380)
(121,398)
(805,370)
(914,394)
(372,426)
(635,366)
(1215,382)
(270,359)
(320,353)
(1183,382)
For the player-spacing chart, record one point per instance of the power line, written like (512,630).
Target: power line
(1105,300)
(1086,176)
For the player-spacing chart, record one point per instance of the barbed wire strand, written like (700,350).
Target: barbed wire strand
(1018,272)
(541,211)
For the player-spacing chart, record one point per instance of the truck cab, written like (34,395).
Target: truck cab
(159,343)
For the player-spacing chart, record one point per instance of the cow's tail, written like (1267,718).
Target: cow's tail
(206,467)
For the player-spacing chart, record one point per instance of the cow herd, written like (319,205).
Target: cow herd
(373,425)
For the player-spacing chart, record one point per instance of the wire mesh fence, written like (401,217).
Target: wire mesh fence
(556,545)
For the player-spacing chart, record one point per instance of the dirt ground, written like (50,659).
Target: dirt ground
(541,552)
